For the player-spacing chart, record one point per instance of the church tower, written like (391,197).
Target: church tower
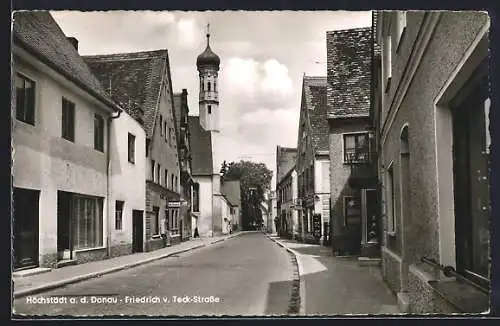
(208,67)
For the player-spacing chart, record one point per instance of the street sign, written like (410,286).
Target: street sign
(174,204)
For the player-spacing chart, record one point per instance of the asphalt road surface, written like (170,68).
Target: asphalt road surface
(246,275)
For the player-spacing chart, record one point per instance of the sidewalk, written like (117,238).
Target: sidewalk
(59,277)
(336,285)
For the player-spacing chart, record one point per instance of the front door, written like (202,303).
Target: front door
(352,214)
(25,228)
(137,230)
(64,225)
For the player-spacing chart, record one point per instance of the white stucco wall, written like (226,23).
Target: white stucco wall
(322,190)
(127,179)
(44,161)
(205,215)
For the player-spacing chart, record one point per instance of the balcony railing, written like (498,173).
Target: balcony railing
(359,156)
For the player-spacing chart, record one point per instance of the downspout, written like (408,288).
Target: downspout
(108,165)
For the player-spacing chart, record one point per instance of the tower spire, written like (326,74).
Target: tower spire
(208,33)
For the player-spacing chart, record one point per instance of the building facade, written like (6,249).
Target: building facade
(231,189)
(313,161)
(285,163)
(142,80)
(67,153)
(433,129)
(353,181)
(185,161)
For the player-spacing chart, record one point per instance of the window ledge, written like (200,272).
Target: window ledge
(156,236)
(89,249)
(461,295)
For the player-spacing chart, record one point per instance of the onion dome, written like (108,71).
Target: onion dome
(208,57)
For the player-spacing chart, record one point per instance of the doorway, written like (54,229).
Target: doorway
(137,230)
(64,223)
(25,214)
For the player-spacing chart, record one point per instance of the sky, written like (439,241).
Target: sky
(264,56)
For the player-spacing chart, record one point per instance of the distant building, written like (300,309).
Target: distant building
(205,133)
(287,192)
(432,118)
(231,189)
(353,174)
(313,161)
(72,152)
(273,213)
(143,79)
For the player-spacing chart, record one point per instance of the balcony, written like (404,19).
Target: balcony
(363,164)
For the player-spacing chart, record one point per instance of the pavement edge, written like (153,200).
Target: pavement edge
(79,278)
(298,291)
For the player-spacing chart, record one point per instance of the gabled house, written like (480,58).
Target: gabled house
(185,161)
(69,154)
(287,202)
(432,117)
(232,191)
(143,79)
(313,162)
(353,172)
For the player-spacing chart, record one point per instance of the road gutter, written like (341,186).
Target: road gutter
(298,291)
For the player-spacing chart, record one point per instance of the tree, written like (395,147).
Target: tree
(255,181)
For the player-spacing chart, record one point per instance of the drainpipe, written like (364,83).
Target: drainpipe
(108,166)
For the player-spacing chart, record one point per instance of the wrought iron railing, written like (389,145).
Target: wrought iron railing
(449,271)
(359,156)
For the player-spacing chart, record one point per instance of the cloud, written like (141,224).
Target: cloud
(188,33)
(276,78)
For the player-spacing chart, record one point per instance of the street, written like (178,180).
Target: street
(245,275)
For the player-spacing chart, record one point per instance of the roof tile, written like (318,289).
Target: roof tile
(201,148)
(315,93)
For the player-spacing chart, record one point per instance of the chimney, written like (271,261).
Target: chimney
(74,42)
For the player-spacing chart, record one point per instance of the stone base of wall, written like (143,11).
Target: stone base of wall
(155,244)
(121,250)
(423,297)
(175,240)
(370,250)
(391,271)
(91,255)
(49,260)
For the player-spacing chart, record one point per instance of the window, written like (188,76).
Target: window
(215,86)
(98,133)
(209,109)
(118,214)
(166,178)
(400,27)
(25,99)
(209,86)
(175,186)
(161,125)
(471,169)
(391,202)
(174,221)
(352,210)
(88,221)
(147,147)
(158,174)
(356,147)
(68,120)
(196,197)
(131,148)
(153,167)
(156,221)
(165,130)
(170,135)
(172,182)
(387,61)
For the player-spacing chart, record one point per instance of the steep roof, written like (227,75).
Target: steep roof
(38,33)
(316,99)
(201,148)
(285,161)
(349,55)
(133,77)
(231,189)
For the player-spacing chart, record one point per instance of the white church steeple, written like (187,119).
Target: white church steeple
(208,67)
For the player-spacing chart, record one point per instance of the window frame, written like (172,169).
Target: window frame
(156,217)
(356,150)
(153,170)
(209,109)
(68,113)
(119,204)
(96,204)
(131,148)
(98,132)
(390,201)
(32,109)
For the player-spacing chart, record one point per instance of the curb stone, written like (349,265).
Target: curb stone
(79,278)
(297,300)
